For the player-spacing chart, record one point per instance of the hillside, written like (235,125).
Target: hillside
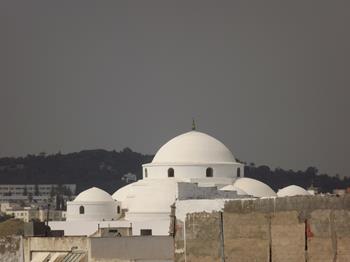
(87,168)
(105,169)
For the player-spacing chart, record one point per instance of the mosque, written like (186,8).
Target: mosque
(193,171)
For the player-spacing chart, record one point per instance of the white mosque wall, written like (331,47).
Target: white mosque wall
(159,222)
(157,171)
(159,227)
(85,228)
(77,210)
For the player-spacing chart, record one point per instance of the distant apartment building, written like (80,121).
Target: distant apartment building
(129,177)
(28,214)
(35,190)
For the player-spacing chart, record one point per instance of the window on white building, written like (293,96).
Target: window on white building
(146,232)
(209,172)
(171,172)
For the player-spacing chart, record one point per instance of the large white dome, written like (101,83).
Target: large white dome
(93,194)
(254,187)
(193,147)
(292,190)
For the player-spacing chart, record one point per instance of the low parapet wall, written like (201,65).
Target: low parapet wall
(133,248)
(282,229)
(125,249)
(33,245)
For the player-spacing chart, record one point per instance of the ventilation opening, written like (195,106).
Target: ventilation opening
(146,232)
(118,209)
(239,172)
(81,210)
(209,172)
(146,173)
(171,172)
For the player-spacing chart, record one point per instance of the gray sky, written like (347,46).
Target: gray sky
(270,79)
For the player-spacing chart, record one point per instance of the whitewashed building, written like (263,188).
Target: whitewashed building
(193,170)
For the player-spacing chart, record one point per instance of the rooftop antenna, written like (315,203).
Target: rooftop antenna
(193,124)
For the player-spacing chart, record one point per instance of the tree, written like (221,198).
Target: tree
(30,197)
(36,190)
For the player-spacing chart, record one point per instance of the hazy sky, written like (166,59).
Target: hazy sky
(270,79)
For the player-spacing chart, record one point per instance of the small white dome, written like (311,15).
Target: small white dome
(233,188)
(292,190)
(254,187)
(147,196)
(193,147)
(93,194)
(123,193)
(152,196)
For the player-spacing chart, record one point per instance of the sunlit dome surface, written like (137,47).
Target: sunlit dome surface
(93,194)
(152,196)
(292,190)
(122,193)
(147,195)
(254,187)
(193,147)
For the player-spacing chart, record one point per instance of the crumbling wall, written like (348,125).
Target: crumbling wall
(291,229)
(10,249)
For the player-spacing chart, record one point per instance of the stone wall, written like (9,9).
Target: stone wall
(291,229)
(11,249)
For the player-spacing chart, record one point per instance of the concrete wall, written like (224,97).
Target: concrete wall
(141,248)
(193,191)
(33,245)
(291,229)
(102,249)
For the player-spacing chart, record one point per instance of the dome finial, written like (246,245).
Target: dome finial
(193,124)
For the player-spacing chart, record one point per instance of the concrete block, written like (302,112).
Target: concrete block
(202,238)
(246,237)
(287,237)
(320,250)
(343,249)
(246,250)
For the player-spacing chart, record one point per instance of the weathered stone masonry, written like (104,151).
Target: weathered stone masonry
(312,228)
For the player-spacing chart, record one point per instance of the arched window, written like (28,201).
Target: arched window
(146,173)
(209,172)
(238,172)
(118,209)
(81,210)
(171,172)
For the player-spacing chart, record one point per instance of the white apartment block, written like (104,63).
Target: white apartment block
(40,189)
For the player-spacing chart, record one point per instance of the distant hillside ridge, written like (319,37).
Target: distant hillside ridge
(105,169)
(87,168)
